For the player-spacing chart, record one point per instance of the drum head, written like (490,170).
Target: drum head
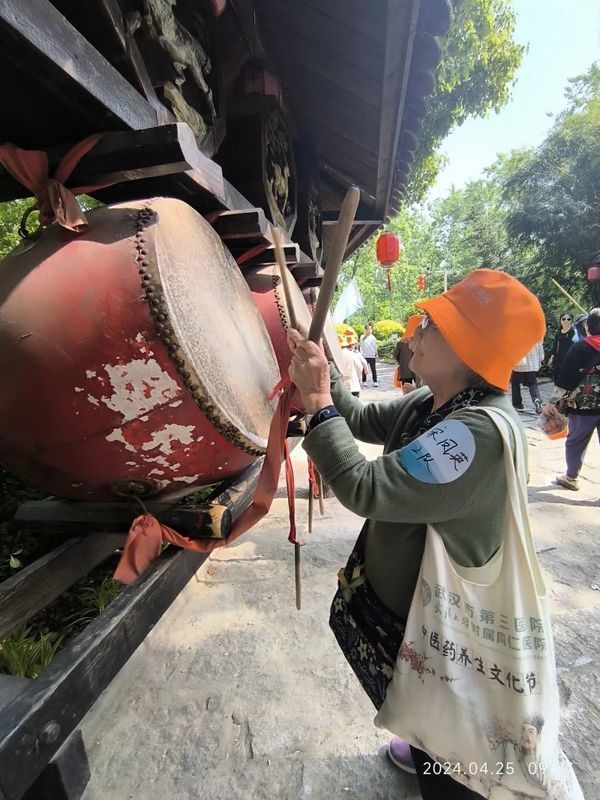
(219,332)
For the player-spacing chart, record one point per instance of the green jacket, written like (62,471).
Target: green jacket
(468,511)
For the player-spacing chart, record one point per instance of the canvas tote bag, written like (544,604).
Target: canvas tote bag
(475,679)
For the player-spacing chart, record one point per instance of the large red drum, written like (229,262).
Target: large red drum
(269,295)
(131,351)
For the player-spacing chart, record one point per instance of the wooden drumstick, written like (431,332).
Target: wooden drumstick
(332,271)
(334,262)
(285,280)
(321,495)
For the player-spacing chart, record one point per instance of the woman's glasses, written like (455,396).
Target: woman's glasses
(566,319)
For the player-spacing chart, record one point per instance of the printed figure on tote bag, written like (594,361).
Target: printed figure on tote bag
(441,604)
(524,768)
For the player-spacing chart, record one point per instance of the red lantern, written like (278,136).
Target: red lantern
(421,283)
(388,252)
(388,249)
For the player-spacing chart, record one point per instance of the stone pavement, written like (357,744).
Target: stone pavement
(237,695)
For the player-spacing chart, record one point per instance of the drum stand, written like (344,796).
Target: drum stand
(39,739)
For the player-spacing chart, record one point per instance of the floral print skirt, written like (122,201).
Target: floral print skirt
(368,632)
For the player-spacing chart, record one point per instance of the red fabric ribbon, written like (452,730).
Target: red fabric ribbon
(313,481)
(146,534)
(253,251)
(54,200)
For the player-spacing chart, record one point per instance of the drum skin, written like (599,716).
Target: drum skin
(268,293)
(133,350)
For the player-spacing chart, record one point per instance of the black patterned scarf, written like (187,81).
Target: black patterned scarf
(370,634)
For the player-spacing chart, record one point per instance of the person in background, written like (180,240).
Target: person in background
(360,365)
(580,378)
(351,369)
(403,354)
(562,343)
(526,372)
(398,494)
(580,325)
(368,347)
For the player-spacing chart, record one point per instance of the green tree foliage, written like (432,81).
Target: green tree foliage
(479,62)
(553,198)
(12,212)
(469,227)
(10,218)
(534,213)
(419,255)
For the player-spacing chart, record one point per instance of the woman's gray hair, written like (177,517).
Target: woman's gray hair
(475,381)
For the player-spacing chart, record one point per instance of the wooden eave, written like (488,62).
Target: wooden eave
(345,68)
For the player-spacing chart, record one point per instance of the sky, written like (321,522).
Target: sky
(564,40)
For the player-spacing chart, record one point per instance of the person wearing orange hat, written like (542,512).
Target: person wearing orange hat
(352,362)
(403,355)
(465,348)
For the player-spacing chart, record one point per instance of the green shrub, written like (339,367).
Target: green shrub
(384,328)
(385,351)
(26,654)
(360,329)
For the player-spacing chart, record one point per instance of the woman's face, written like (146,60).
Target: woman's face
(433,359)
(566,321)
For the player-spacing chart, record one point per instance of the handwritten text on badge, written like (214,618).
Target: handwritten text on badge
(440,455)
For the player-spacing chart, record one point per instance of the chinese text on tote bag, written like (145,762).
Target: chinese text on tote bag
(475,679)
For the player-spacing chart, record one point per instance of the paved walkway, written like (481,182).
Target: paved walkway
(236,695)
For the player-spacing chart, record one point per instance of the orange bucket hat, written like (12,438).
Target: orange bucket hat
(412,323)
(490,320)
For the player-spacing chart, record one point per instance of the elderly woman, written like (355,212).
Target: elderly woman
(464,350)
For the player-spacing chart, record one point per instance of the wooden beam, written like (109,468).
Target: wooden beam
(44,36)
(64,692)
(31,589)
(401,29)
(304,271)
(250,223)
(45,30)
(330,174)
(121,157)
(66,775)
(291,253)
(359,236)
(10,687)
(102,23)
(365,215)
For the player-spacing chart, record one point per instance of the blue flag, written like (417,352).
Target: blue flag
(349,302)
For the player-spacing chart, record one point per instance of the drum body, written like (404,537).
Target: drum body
(132,351)
(269,295)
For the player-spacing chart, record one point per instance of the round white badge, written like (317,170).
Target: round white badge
(440,455)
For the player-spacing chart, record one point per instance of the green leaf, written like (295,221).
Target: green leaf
(14,563)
